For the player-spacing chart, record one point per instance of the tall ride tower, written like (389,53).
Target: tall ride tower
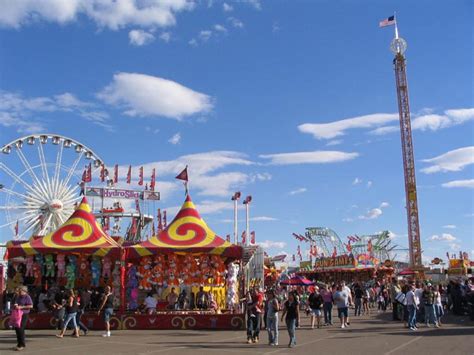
(398,48)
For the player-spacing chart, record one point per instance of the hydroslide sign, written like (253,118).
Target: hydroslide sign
(122,194)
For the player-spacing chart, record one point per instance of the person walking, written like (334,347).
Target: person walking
(315,302)
(343,300)
(439,311)
(365,301)
(71,312)
(291,313)
(108,306)
(394,291)
(24,303)
(428,297)
(358,294)
(327,305)
(273,307)
(412,305)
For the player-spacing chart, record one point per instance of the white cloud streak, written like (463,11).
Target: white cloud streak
(454,160)
(298,191)
(175,139)
(140,38)
(146,95)
(460,183)
(316,157)
(445,237)
(271,244)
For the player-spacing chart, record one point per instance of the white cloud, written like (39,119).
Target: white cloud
(165,36)
(449,226)
(175,139)
(263,219)
(375,213)
(316,157)
(146,95)
(454,246)
(454,160)
(193,42)
(205,35)
(429,121)
(369,184)
(275,27)
(445,237)
(334,142)
(298,191)
(220,28)
(460,183)
(357,181)
(256,4)
(269,244)
(20,112)
(372,214)
(338,128)
(235,22)
(105,13)
(140,37)
(227,8)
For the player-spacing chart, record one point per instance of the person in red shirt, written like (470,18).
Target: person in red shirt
(254,314)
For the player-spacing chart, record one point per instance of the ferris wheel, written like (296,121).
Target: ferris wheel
(326,240)
(40,177)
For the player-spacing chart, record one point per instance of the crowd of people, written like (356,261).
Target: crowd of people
(410,302)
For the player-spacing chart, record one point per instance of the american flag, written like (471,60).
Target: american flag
(387,22)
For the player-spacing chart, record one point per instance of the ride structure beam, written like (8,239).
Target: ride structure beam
(408,165)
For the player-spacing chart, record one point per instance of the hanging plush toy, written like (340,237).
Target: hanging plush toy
(37,274)
(29,266)
(61,264)
(205,269)
(172,279)
(116,283)
(70,276)
(132,281)
(158,274)
(106,267)
(232,284)
(49,265)
(145,273)
(95,268)
(84,272)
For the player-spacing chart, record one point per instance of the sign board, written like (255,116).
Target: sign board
(338,261)
(122,194)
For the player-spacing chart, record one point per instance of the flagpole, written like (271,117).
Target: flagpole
(396,26)
(236,237)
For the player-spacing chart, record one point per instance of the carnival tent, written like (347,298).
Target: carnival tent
(81,234)
(187,233)
(297,281)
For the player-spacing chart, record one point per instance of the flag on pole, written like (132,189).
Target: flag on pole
(153,180)
(248,199)
(129,174)
(252,237)
(184,177)
(87,174)
(160,222)
(140,176)
(236,196)
(116,173)
(244,237)
(299,250)
(389,21)
(102,173)
(16,228)
(165,224)
(133,227)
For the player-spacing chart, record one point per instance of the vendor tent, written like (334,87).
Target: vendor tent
(297,281)
(187,233)
(81,234)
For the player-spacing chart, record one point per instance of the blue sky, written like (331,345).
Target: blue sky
(255,96)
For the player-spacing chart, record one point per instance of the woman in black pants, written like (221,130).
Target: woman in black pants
(23,302)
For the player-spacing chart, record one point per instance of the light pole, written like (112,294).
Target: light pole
(236,198)
(246,202)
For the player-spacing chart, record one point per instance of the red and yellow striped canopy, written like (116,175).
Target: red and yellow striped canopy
(81,233)
(187,233)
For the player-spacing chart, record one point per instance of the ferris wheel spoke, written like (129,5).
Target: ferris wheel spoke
(45,225)
(13,222)
(58,167)
(73,169)
(28,229)
(15,177)
(27,165)
(13,207)
(67,192)
(6,190)
(44,166)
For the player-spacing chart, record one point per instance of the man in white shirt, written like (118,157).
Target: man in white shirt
(150,303)
(412,305)
(347,290)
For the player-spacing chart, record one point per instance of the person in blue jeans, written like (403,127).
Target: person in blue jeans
(71,311)
(273,307)
(412,305)
(292,313)
(327,305)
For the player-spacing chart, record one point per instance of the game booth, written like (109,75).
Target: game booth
(186,256)
(362,268)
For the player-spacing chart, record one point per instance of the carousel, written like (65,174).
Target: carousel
(186,255)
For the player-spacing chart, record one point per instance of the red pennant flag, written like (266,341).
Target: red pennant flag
(252,237)
(236,196)
(137,205)
(299,250)
(244,237)
(102,173)
(140,176)
(153,180)
(16,228)
(160,223)
(116,174)
(129,174)
(183,175)
(247,200)
(87,174)
(165,223)
(133,228)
